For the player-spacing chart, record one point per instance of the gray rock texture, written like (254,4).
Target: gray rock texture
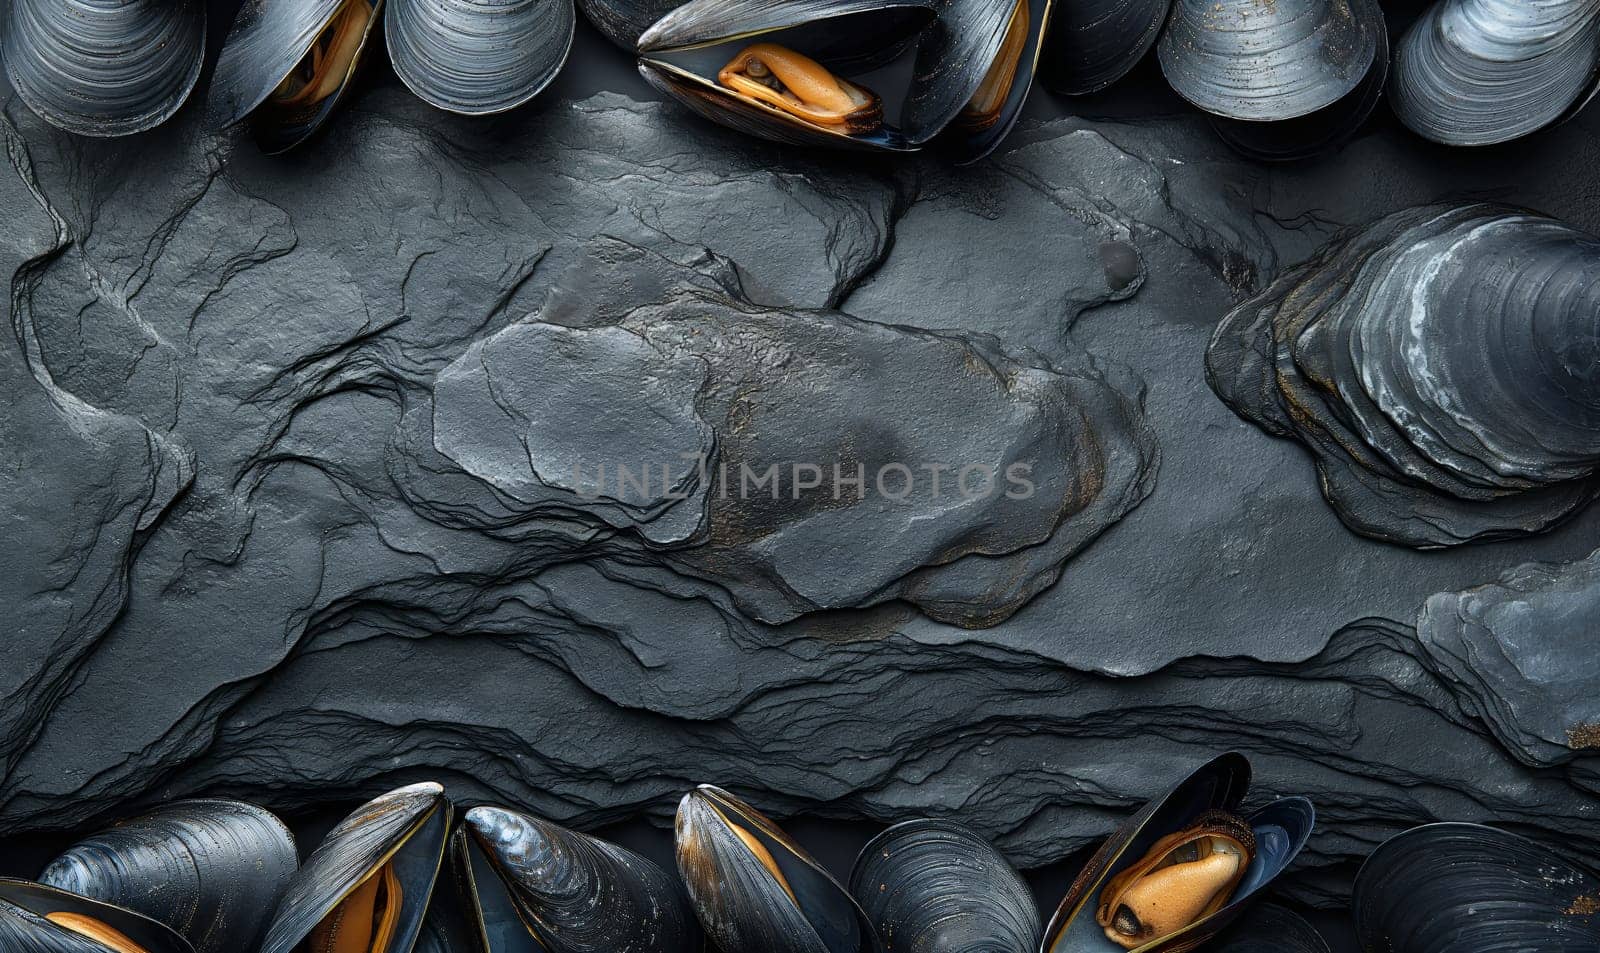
(290,453)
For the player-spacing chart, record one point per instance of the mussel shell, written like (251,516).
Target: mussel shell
(624,21)
(722,107)
(407,827)
(212,870)
(933,886)
(104,67)
(1094,43)
(1441,365)
(268,39)
(1466,888)
(1480,72)
(856,28)
(24,929)
(1257,61)
(953,59)
(1269,928)
(1287,140)
(570,892)
(478,57)
(1281,830)
(738,898)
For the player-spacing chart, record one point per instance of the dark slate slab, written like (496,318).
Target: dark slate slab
(341,599)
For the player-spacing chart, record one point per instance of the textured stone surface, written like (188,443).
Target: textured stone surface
(275,541)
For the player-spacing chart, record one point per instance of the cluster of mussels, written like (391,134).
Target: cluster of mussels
(1282,80)
(1443,366)
(217,876)
(214,876)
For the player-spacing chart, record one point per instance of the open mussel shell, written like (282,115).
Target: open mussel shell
(478,57)
(531,881)
(368,884)
(1094,43)
(104,67)
(1280,831)
(973,72)
(1269,928)
(755,889)
(1262,62)
(933,886)
(213,870)
(681,54)
(285,65)
(1287,140)
(35,918)
(1479,72)
(1466,888)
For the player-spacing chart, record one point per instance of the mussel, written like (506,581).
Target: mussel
(1466,888)
(933,886)
(534,885)
(754,888)
(1478,72)
(1094,43)
(1182,869)
(286,63)
(104,67)
(1269,928)
(1283,79)
(211,869)
(778,68)
(366,888)
(1442,365)
(35,918)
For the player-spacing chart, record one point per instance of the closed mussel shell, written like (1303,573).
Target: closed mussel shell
(624,21)
(1316,132)
(478,57)
(1479,72)
(367,885)
(567,892)
(1269,928)
(213,870)
(1278,830)
(933,886)
(35,918)
(1466,888)
(1094,43)
(286,63)
(753,888)
(104,67)
(1263,62)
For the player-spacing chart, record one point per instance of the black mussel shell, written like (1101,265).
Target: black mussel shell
(1094,43)
(755,889)
(35,918)
(212,870)
(1466,888)
(1328,128)
(1479,72)
(1269,928)
(104,67)
(1262,62)
(566,892)
(1281,830)
(969,40)
(269,39)
(933,886)
(701,24)
(478,57)
(624,21)
(391,847)
(1442,366)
